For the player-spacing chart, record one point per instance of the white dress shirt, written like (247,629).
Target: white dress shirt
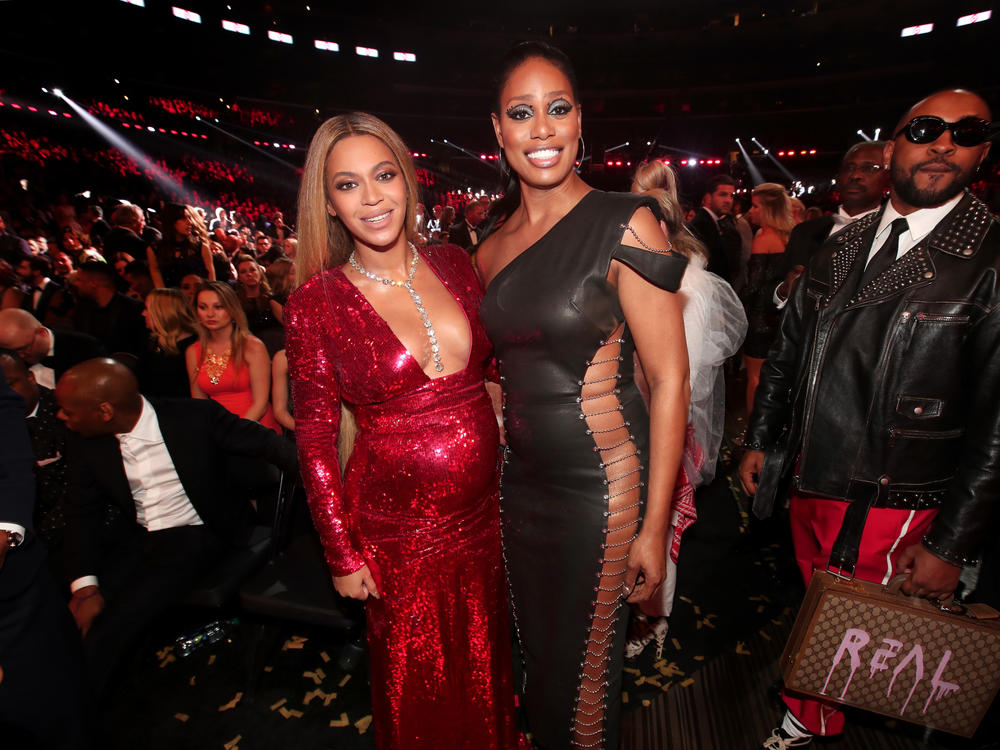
(45,375)
(160,499)
(920,224)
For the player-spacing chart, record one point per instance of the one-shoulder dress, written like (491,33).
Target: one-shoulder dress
(418,504)
(572,489)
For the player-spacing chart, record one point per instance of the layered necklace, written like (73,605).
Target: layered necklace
(408,286)
(215,365)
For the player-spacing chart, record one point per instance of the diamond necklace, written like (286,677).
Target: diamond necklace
(408,286)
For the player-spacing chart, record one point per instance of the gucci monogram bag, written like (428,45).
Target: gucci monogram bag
(866,645)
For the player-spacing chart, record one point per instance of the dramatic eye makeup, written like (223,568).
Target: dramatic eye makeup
(560,108)
(520,112)
(557,108)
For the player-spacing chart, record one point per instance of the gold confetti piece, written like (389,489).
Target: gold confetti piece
(191,681)
(647,702)
(232,704)
(343,721)
(329,697)
(677,643)
(697,609)
(659,664)
(290,712)
(666,687)
(279,704)
(742,649)
(765,598)
(295,642)
(211,659)
(167,660)
(181,717)
(268,669)
(363,723)
(630,670)
(307,698)
(755,598)
(777,622)
(688,682)
(162,653)
(321,673)
(347,678)
(685,599)
(325,657)
(233,743)
(699,658)
(760,608)
(624,697)
(765,635)
(313,676)
(671,670)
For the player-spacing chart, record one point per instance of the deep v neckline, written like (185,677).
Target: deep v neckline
(559,223)
(399,342)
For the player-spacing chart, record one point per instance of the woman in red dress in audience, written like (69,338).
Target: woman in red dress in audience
(413,527)
(227,363)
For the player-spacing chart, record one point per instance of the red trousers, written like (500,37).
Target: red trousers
(815,524)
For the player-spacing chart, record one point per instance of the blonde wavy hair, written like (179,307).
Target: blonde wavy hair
(240,331)
(776,209)
(324,241)
(659,181)
(170,318)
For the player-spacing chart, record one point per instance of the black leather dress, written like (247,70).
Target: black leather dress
(577,431)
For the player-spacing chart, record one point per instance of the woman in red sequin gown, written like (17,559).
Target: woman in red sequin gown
(413,528)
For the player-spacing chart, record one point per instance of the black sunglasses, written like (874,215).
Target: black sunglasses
(967,132)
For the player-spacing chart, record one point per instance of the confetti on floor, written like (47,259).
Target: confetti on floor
(290,712)
(192,680)
(363,723)
(343,721)
(624,697)
(233,743)
(325,657)
(677,643)
(279,704)
(688,682)
(169,658)
(295,642)
(741,649)
(211,660)
(347,678)
(181,717)
(316,676)
(232,704)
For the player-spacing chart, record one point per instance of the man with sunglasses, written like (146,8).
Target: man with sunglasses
(877,408)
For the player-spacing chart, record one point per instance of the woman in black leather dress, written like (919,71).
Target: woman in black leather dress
(575,284)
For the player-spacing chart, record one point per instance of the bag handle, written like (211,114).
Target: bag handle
(945,604)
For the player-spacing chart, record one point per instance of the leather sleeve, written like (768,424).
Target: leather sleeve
(958,532)
(664,270)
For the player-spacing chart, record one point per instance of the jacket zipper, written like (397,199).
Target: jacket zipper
(895,432)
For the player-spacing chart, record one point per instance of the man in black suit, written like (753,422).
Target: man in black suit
(863,182)
(105,313)
(161,463)
(463,233)
(37,275)
(722,245)
(49,353)
(40,687)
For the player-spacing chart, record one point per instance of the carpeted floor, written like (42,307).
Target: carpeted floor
(713,689)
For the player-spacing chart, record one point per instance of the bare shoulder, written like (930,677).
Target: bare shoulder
(644,231)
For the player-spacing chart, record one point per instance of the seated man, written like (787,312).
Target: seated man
(162,464)
(48,443)
(49,353)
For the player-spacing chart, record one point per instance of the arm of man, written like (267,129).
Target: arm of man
(772,402)
(17,500)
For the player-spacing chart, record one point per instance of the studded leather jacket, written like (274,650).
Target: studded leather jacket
(890,394)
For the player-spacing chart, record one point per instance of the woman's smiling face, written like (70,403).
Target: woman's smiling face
(538,125)
(366,190)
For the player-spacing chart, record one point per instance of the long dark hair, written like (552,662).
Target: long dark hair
(513,59)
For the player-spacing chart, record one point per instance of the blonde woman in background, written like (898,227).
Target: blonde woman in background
(161,370)
(714,327)
(771,209)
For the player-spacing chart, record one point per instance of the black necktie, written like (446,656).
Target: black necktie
(886,255)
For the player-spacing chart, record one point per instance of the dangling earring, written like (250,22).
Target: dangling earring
(504,168)
(583,150)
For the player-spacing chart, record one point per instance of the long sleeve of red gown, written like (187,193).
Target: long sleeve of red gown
(316,399)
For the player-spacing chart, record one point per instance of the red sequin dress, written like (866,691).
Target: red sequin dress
(232,389)
(418,505)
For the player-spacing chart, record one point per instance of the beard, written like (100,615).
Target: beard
(940,191)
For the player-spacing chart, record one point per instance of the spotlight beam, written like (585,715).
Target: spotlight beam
(755,174)
(767,152)
(156,172)
(249,145)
